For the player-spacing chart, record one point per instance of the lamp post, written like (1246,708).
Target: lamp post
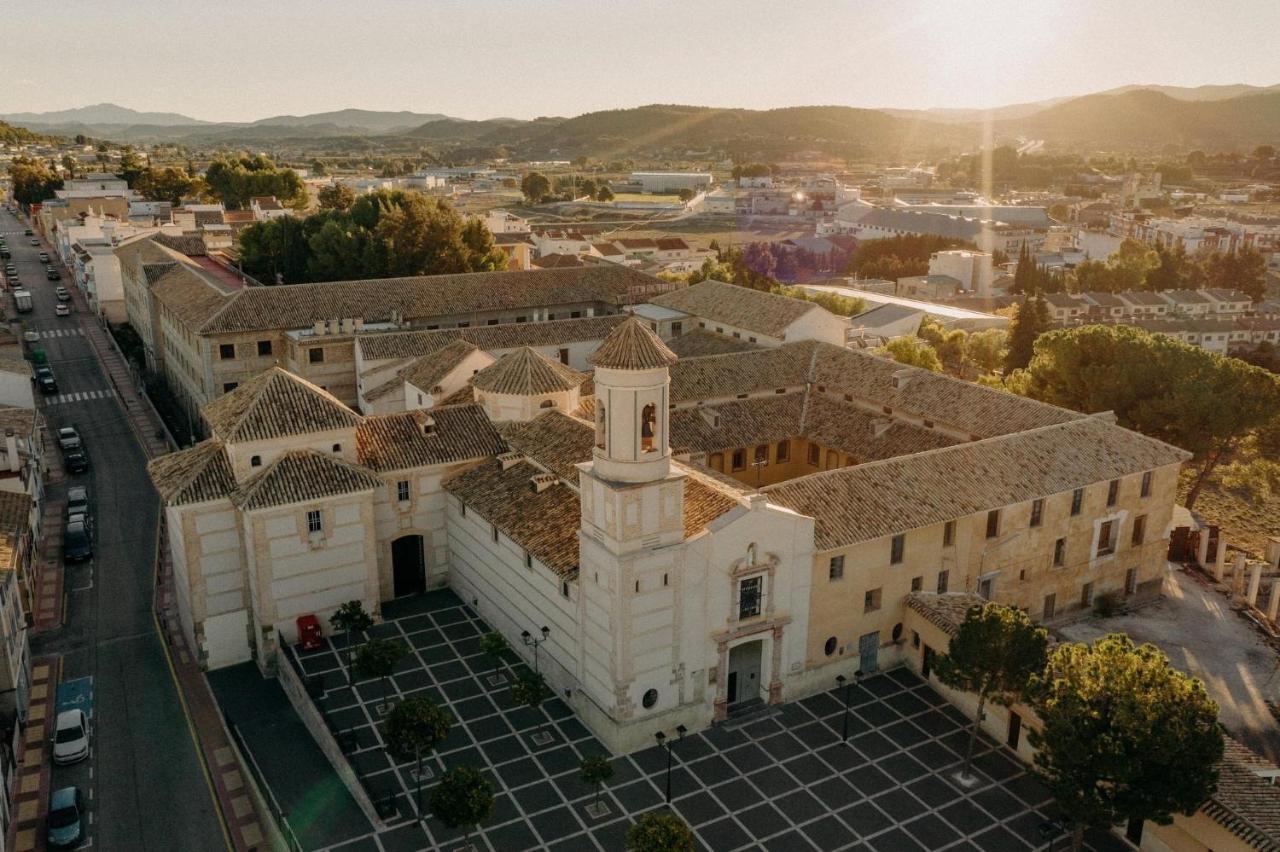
(844,684)
(663,742)
(527,638)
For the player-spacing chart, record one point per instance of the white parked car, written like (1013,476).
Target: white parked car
(62,309)
(71,737)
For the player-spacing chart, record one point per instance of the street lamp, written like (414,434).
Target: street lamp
(663,742)
(844,684)
(527,638)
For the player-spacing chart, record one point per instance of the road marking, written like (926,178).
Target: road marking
(80,396)
(76,693)
(61,332)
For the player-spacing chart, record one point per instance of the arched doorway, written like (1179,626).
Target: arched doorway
(408,566)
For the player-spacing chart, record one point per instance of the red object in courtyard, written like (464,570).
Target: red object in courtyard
(309,637)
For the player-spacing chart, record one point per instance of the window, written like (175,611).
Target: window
(986,587)
(528,559)
(677,329)
(315,355)
(228,387)
(783,452)
(649,698)
(1059,553)
(1131,581)
(464,325)
(337,448)
(749,597)
(871,600)
(1139,530)
(227,351)
(830,647)
(564,356)
(739,459)
(943,577)
(1086,595)
(493,532)
(1146,484)
(1050,605)
(402,490)
(1106,538)
(1113,492)
(815,454)
(1037,512)
(575,314)
(522,319)
(917,583)
(948,533)
(491,322)
(897,548)
(264,348)
(1077,500)
(255,461)
(762,455)
(601,427)
(648,428)
(564,589)
(314,522)
(835,568)
(993,523)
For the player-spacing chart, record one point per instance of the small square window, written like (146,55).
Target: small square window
(762,455)
(402,490)
(315,355)
(255,461)
(835,568)
(227,351)
(315,523)
(897,548)
(917,583)
(1077,501)
(337,448)
(871,600)
(264,347)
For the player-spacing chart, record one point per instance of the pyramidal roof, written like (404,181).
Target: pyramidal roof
(526,373)
(275,404)
(632,346)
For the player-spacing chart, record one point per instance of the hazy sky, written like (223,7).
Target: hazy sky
(248,59)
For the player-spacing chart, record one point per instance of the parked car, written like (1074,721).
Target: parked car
(68,438)
(62,309)
(77,542)
(44,257)
(71,737)
(28,232)
(5,254)
(66,817)
(45,380)
(77,500)
(76,461)
(10,269)
(35,241)
(63,295)
(52,274)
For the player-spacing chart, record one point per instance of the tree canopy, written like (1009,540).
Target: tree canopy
(235,180)
(659,831)
(1123,734)
(1030,321)
(536,187)
(415,726)
(463,798)
(33,180)
(170,184)
(899,257)
(913,352)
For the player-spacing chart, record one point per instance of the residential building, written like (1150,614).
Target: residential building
(756,316)
(661,183)
(883,222)
(1065,308)
(974,270)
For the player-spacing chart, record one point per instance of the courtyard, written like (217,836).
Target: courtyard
(778,780)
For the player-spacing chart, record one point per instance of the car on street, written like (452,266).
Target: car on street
(5,254)
(35,241)
(52,274)
(62,309)
(28,232)
(44,257)
(63,295)
(77,500)
(71,737)
(66,817)
(68,438)
(45,380)
(77,542)
(10,269)
(76,461)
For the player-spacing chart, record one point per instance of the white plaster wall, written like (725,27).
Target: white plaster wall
(819,324)
(16,389)
(226,639)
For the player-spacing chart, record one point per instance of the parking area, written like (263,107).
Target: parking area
(782,780)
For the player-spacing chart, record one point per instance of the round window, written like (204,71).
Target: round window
(830,647)
(897,631)
(650,698)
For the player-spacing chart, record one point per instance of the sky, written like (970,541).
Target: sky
(240,60)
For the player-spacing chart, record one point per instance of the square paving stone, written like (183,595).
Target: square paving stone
(865,819)
(555,824)
(406,838)
(900,805)
(773,782)
(572,787)
(998,803)
(459,631)
(369,762)
(904,734)
(477,707)
(792,841)
(929,696)
(967,817)
(650,760)
(610,836)
(725,738)
(748,758)
(935,724)
(997,765)
(934,755)
(881,686)
(713,770)
(459,689)
(699,808)
(737,795)
(416,679)
(524,718)
(817,734)
(764,728)
(932,832)
(504,809)
(878,714)
(444,672)
(829,833)
(571,729)
(782,746)
(841,757)
(800,806)
(503,749)
(469,756)
(835,793)
(902,767)
(488,728)
(933,791)
(823,704)
(906,703)
(808,768)
(637,796)
(1029,789)
(557,760)
(436,651)
(624,771)
(537,797)
(724,834)
(762,820)
(873,745)
(895,840)
(513,835)
(869,780)
(999,839)
(517,773)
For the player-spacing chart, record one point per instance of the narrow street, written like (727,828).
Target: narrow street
(144,783)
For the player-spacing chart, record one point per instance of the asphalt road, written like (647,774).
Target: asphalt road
(144,783)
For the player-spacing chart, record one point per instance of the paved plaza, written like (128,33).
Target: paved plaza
(779,781)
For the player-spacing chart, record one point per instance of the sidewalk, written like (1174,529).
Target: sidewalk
(31,798)
(49,576)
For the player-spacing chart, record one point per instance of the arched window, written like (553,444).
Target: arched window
(547,403)
(602,426)
(648,428)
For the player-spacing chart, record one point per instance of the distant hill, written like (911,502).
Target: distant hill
(100,114)
(373,121)
(1197,93)
(953,115)
(12,135)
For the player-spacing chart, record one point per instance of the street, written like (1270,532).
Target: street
(144,785)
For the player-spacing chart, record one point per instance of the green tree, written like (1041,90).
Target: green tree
(350,618)
(530,690)
(1131,263)
(1093,276)
(913,352)
(1244,269)
(536,187)
(995,653)
(1025,275)
(336,252)
(275,250)
(1264,152)
(1162,387)
(587,187)
(378,658)
(318,168)
(132,165)
(659,831)
(463,799)
(494,645)
(235,180)
(170,184)
(595,769)
(426,236)
(1170,271)
(1030,321)
(685,195)
(335,197)
(985,350)
(70,163)
(33,181)
(1124,735)
(413,728)
(604,193)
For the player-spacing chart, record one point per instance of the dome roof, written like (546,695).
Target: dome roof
(632,346)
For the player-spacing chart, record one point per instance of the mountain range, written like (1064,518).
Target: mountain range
(1212,117)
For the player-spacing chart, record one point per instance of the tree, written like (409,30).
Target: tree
(170,184)
(414,727)
(336,197)
(275,250)
(530,690)
(1170,271)
(33,181)
(350,618)
(1244,269)
(986,350)
(70,163)
(995,653)
(587,187)
(235,180)
(685,195)
(1024,274)
(1031,320)
(595,769)
(1264,152)
(378,658)
(1162,387)
(494,646)
(426,236)
(913,352)
(1131,263)
(132,166)
(536,187)
(463,799)
(1124,735)
(659,831)
(604,193)
(318,168)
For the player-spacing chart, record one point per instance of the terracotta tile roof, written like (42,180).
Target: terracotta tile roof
(557,441)
(442,435)
(672,244)
(705,498)
(719,376)
(378,346)
(301,475)
(428,371)
(274,404)
(464,395)
(557,261)
(757,310)
(865,436)
(526,373)
(23,421)
(189,244)
(632,346)
(1246,804)
(868,501)
(191,297)
(700,342)
(417,299)
(946,611)
(14,364)
(153,272)
(193,475)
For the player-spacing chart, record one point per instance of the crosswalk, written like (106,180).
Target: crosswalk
(46,334)
(81,396)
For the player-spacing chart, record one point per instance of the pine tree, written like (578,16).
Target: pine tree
(1029,323)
